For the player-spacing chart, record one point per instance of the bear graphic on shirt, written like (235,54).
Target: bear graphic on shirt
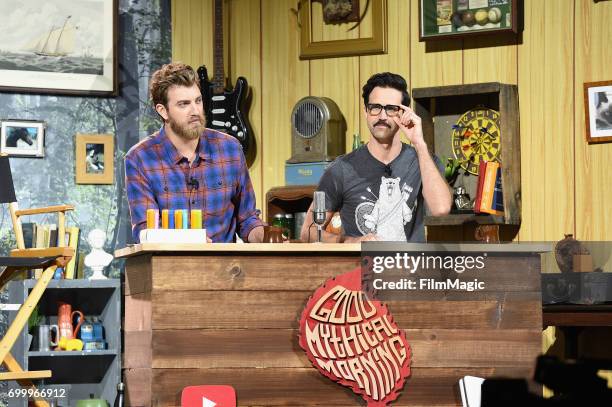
(391,211)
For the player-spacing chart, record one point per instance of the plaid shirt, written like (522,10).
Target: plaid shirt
(157,176)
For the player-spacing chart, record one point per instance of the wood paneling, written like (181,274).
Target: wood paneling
(593,188)
(278,348)
(565,188)
(192,32)
(281,310)
(285,80)
(336,78)
(238,322)
(435,63)
(547,120)
(264,273)
(245,24)
(298,387)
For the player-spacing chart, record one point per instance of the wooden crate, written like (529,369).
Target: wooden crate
(440,107)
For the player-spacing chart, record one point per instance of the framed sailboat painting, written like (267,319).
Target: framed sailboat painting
(59,47)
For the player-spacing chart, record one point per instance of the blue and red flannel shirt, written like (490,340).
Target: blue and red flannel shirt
(158,177)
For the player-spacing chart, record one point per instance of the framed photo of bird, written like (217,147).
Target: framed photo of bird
(94,158)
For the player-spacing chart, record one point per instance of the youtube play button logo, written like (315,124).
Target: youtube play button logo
(208,396)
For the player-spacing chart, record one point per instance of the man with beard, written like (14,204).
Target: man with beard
(380,188)
(186,166)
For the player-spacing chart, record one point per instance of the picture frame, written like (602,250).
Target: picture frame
(23,138)
(375,44)
(71,52)
(446,19)
(94,158)
(598,111)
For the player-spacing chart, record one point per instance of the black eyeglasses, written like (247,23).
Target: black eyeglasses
(392,110)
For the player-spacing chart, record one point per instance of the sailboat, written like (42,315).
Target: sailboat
(58,42)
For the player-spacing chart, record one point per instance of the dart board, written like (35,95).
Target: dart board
(476,137)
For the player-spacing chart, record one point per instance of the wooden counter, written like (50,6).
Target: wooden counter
(228,314)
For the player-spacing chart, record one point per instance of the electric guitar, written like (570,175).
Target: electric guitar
(226,109)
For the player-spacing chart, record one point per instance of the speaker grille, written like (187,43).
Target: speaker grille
(308,120)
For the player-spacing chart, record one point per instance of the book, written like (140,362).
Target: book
(481,175)
(53,236)
(173,236)
(80,265)
(488,186)
(498,196)
(42,237)
(491,185)
(73,241)
(29,236)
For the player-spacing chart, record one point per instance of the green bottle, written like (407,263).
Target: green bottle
(356,141)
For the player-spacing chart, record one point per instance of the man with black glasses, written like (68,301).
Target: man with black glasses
(380,189)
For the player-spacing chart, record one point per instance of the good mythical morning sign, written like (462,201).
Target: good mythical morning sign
(354,341)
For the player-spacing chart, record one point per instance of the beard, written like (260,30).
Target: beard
(189,131)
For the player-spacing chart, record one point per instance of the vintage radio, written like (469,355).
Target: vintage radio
(317,131)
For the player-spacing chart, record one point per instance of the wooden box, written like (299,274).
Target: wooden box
(440,108)
(289,199)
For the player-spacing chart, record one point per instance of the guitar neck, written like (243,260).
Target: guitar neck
(219,69)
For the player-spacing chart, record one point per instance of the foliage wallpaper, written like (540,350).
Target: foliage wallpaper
(144,45)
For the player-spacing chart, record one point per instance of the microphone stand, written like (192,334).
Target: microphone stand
(319,220)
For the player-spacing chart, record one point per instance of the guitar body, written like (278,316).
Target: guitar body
(227,110)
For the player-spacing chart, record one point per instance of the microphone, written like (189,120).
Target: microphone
(319,212)
(319,207)
(193,183)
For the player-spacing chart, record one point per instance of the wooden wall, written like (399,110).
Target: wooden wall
(565,185)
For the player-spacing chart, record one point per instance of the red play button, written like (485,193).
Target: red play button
(208,396)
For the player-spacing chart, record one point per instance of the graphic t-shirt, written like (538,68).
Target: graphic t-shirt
(372,197)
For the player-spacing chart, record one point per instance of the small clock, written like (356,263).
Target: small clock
(476,137)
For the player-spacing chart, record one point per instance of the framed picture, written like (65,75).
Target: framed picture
(443,19)
(94,158)
(23,138)
(598,111)
(311,48)
(59,47)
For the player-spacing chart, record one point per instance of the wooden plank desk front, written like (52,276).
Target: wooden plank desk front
(228,314)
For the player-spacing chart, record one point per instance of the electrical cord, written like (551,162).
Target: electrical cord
(309,227)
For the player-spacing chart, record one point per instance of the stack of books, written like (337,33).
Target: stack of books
(41,236)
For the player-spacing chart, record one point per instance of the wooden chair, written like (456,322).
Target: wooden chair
(23,259)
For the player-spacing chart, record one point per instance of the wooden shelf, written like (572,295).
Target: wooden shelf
(463,218)
(64,353)
(289,199)
(440,108)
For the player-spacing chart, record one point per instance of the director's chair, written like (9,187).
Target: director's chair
(23,259)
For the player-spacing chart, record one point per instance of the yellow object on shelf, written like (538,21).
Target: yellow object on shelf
(164,219)
(196,219)
(178,219)
(152,218)
(70,344)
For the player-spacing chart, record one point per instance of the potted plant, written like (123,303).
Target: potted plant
(34,321)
